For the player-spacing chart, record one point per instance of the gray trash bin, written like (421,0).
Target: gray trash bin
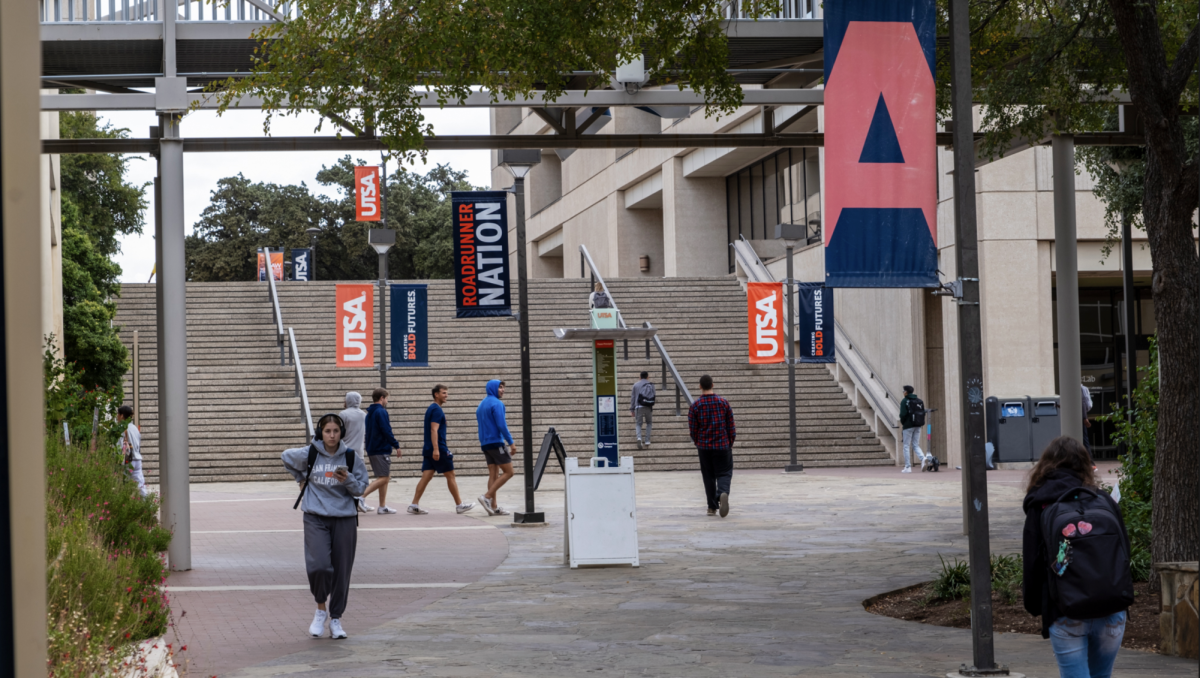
(1008,422)
(1045,425)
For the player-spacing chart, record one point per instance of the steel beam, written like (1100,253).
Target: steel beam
(1066,258)
(172,347)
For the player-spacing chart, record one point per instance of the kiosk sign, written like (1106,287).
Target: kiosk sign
(481,280)
(604,365)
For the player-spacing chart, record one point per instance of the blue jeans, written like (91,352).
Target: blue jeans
(1087,648)
(912,438)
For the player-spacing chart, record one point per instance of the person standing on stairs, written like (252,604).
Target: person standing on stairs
(330,476)
(497,445)
(710,423)
(356,428)
(912,420)
(641,408)
(380,442)
(599,298)
(436,456)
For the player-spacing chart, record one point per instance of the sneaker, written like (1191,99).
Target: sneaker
(463,508)
(362,506)
(415,510)
(647,443)
(335,629)
(501,511)
(907,469)
(317,627)
(639,443)
(724,504)
(712,512)
(385,510)
(487,505)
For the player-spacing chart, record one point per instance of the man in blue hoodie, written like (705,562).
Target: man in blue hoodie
(379,443)
(497,444)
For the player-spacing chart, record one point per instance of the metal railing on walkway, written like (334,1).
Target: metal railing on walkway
(126,11)
(681,389)
(288,341)
(301,388)
(273,296)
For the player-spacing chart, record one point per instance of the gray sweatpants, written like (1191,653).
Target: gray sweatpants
(329,545)
(643,414)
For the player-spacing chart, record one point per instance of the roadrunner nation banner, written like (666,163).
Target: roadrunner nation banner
(481,275)
(814,335)
(356,325)
(765,312)
(880,148)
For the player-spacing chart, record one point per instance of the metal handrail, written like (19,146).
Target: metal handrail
(662,350)
(752,268)
(273,295)
(301,388)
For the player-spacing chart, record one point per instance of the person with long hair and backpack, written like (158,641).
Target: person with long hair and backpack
(331,477)
(1076,560)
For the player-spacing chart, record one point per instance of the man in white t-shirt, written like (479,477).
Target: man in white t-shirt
(131,446)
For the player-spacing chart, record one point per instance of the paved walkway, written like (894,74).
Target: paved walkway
(775,589)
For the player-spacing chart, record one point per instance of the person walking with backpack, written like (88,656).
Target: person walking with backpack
(379,441)
(497,445)
(599,298)
(710,423)
(1076,561)
(356,429)
(331,475)
(912,419)
(641,408)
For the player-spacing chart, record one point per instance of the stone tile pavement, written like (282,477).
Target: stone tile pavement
(775,589)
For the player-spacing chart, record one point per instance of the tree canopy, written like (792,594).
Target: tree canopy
(244,216)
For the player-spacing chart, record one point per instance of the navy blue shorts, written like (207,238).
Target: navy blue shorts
(444,464)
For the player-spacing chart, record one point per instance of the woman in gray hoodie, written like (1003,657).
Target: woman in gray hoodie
(330,518)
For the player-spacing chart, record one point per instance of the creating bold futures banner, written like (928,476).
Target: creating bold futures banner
(764,303)
(366,194)
(481,276)
(410,326)
(355,325)
(302,264)
(880,144)
(815,323)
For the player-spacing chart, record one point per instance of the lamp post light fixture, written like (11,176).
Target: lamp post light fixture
(789,234)
(519,162)
(312,264)
(382,240)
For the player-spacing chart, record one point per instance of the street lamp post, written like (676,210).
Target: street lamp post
(789,234)
(312,263)
(382,240)
(519,163)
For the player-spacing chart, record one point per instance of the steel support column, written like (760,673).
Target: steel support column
(794,466)
(970,346)
(1066,259)
(172,346)
(529,515)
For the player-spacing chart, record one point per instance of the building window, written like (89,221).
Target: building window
(781,188)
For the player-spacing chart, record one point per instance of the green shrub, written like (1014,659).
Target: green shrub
(67,400)
(953,581)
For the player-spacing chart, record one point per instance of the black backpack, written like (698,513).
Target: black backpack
(916,412)
(1087,551)
(312,461)
(647,400)
(601,300)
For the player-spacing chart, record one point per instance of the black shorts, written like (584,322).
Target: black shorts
(497,455)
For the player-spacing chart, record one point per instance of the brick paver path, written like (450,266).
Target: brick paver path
(775,589)
(246,538)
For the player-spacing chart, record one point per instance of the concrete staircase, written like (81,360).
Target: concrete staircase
(243,409)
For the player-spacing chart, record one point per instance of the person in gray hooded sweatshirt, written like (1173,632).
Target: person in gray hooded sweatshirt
(330,519)
(356,428)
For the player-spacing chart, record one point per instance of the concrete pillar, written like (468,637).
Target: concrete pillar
(695,227)
(1067,281)
(172,346)
(636,233)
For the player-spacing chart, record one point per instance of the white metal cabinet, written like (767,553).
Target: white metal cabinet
(601,515)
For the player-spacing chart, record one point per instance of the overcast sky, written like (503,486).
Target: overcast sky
(202,170)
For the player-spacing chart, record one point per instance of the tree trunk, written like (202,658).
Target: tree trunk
(1171,195)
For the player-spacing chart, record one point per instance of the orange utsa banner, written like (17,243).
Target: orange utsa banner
(765,307)
(366,194)
(355,325)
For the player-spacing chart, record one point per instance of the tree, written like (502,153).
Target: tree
(244,216)
(1051,67)
(98,206)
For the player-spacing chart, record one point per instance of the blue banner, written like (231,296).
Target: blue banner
(302,264)
(815,323)
(880,168)
(410,326)
(481,275)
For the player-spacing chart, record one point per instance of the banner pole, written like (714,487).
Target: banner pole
(795,466)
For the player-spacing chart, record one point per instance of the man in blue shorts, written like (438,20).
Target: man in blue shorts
(497,444)
(436,456)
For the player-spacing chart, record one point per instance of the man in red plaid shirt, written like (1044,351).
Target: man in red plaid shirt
(710,421)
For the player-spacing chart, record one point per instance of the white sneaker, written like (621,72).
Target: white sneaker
(907,469)
(463,508)
(362,506)
(501,511)
(415,510)
(317,627)
(335,629)
(647,443)
(639,443)
(487,505)
(385,510)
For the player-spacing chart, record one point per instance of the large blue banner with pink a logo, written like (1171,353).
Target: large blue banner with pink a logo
(880,144)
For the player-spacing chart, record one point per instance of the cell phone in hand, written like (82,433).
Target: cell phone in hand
(342,467)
